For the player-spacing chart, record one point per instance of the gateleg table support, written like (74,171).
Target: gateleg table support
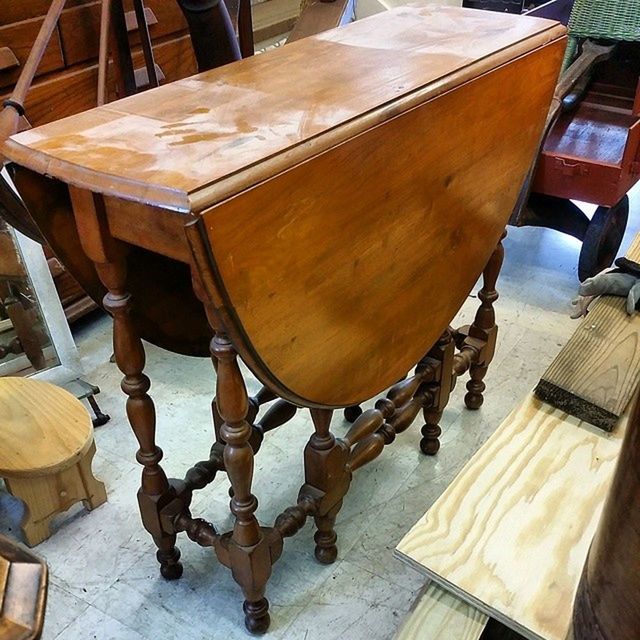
(484,327)
(109,257)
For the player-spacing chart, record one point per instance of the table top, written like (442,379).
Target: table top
(189,144)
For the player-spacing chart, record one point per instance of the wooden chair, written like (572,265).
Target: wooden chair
(46,448)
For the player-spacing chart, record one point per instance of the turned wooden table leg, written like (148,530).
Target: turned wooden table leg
(441,355)
(110,261)
(326,537)
(484,327)
(130,357)
(249,556)
(325,464)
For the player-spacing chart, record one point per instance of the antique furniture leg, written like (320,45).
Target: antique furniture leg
(325,469)
(110,261)
(441,357)
(484,328)
(325,537)
(249,553)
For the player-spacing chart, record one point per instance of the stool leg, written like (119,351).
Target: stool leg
(484,327)
(94,491)
(45,496)
(39,510)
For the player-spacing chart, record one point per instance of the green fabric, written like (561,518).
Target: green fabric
(609,19)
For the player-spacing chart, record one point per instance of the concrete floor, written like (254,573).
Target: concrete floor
(105,583)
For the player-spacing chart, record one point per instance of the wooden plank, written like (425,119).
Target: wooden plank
(598,370)
(511,533)
(439,615)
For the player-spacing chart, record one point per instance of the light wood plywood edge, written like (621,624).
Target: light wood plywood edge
(511,533)
(439,615)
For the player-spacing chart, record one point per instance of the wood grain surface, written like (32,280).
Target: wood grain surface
(439,615)
(412,198)
(597,372)
(511,533)
(44,428)
(164,145)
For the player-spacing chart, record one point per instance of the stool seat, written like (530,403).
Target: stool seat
(46,449)
(43,428)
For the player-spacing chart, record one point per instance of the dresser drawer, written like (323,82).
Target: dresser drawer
(80,27)
(63,95)
(19,10)
(70,92)
(16,41)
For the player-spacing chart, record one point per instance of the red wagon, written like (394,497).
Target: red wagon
(591,154)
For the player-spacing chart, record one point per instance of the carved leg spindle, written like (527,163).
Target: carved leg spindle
(155,491)
(110,260)
(484,327)
(249,557)
(325,537)
(325,463)
(431,432)
(441,359)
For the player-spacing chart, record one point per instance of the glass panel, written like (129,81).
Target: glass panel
(25,342)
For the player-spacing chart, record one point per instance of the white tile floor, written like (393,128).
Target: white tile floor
(104,577)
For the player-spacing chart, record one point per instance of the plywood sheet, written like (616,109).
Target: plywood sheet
(510,535)
(598,370)
(439,615)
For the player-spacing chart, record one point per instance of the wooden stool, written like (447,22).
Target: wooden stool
(46,448)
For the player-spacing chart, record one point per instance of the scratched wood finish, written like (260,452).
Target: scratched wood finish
(424,207)
(598,370)
(439,615)
(511,533)
(168,145)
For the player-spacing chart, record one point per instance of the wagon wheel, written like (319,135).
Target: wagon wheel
(602,239)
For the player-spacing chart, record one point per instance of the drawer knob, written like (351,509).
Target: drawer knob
(132,23)
(8,59)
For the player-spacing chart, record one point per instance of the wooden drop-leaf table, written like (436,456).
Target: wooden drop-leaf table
(333,203)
